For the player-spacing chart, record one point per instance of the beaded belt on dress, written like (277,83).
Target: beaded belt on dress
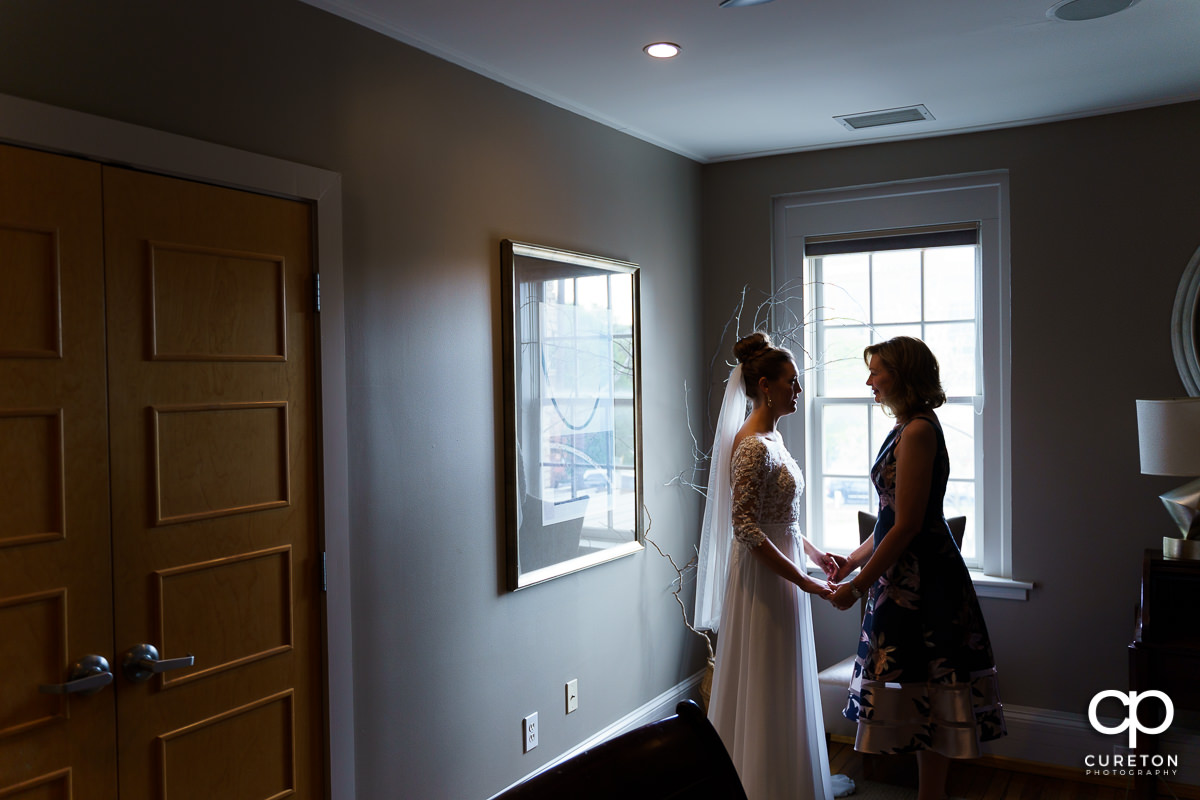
(775,530)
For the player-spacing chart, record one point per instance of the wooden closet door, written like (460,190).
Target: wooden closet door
(215,536)
(55,571)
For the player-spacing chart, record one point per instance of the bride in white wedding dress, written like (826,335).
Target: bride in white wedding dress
(753,589)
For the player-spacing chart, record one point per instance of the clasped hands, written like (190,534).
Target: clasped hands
(836,568)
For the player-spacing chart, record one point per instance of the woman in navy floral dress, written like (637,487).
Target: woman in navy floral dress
(924,679)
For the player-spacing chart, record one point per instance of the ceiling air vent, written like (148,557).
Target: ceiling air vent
(892,116)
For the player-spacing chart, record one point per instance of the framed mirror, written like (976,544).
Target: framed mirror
(572,390)
(1185,327)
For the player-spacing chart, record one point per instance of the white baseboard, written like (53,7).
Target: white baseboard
(1066,740)
(658,708)
(1038,735)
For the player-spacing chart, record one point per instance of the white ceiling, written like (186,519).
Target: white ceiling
(771,78)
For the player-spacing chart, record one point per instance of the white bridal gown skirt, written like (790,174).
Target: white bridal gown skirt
(766,703)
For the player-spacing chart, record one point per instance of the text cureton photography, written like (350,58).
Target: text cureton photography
(1128,762)
(1131,764)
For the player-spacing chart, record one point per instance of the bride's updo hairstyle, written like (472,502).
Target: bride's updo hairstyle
(915,370)
(760,359)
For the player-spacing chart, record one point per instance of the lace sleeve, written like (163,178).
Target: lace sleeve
(749,473)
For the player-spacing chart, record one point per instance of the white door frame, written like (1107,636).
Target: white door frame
(43,127)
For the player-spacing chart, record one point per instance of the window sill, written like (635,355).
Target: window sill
(985,585)
(1000,588)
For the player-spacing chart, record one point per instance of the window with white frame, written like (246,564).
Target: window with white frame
(924,259)
(863,291)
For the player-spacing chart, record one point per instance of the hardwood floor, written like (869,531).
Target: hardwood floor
(996,779)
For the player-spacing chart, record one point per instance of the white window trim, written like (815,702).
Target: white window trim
(978,197)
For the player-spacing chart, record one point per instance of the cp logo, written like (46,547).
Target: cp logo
(1131,701)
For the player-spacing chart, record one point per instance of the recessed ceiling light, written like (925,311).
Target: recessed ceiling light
(662,50)
(1080,10)
(740,3)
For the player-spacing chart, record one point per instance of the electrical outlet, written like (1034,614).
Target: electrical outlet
(529,731)
(572,695)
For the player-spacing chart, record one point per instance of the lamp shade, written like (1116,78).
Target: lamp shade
(1169,436)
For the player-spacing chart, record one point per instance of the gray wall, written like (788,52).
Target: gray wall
(1105,214)
(438,166)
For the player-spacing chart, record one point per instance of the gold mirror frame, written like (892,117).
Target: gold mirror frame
(572,416)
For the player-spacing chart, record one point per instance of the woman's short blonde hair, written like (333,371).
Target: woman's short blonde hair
(915,369)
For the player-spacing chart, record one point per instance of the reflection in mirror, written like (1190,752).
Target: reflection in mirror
(572,426)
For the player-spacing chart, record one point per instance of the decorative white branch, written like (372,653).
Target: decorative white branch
(680,572)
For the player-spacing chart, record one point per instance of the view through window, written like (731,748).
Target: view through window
(861,296)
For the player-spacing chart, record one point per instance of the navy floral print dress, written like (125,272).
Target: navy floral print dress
(924,676)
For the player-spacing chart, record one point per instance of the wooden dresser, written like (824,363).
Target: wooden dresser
(1165,651)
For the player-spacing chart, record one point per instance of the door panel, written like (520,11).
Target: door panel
(55,574)
(214,519)
(157,486)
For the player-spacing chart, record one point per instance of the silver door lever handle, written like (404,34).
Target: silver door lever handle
(141,661)
(88,675)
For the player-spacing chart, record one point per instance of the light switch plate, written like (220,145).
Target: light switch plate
(572,695)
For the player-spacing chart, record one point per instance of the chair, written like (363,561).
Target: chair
(677,758)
